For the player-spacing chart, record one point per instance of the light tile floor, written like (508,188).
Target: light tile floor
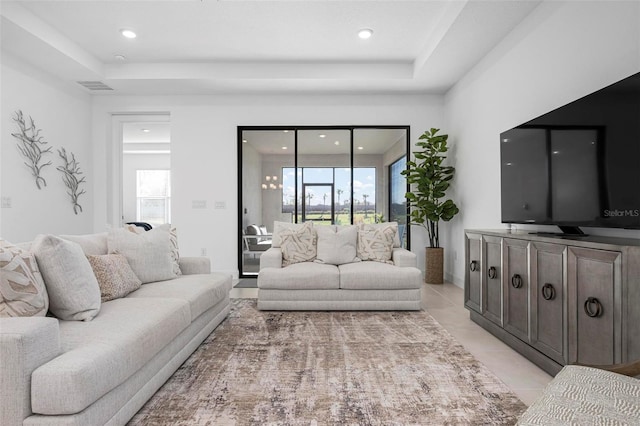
(446,304)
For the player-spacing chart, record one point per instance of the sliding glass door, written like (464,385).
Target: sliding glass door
(329,175)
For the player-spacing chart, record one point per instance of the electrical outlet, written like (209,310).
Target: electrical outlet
(455,255)
(203,252)
(6,202)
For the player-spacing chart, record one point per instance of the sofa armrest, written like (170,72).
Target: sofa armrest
(195,265)
(403,257)
(25,345)
(271,258)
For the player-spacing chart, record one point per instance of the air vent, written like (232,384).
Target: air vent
(94,85)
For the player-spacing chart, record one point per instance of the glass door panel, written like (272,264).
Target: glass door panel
(321,153)
(267,191)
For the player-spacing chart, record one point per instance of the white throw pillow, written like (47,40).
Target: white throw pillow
(298,245)
(73,290)
(278,227)
(337,247)
(149,253)
(376,243)
(384,225)
(22,290)
(92,244)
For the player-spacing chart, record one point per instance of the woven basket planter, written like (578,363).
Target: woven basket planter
(434,265)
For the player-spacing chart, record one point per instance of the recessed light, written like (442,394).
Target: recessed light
(120,57)
(322,135)
(360,147)
(128,33)
(284,147)
(244,141)
(286,131)
(365,33)
(146,130)
(336,143)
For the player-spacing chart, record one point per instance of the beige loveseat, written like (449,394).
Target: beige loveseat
(56,372)
(338,285)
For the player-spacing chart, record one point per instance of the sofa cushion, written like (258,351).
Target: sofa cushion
(376,275)
(101,354)
(22,290)
(92,244)
(73,290)
(115,277)
(336,247)
(301,276)
(200,291)
(148,253)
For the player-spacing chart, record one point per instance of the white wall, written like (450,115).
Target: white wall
(63,112)
(204,151)
(561,52)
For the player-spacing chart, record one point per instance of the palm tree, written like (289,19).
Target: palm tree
(365,196)
(339,192)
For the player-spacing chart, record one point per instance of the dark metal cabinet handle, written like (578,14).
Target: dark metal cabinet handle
(516,281)
(548,292)
(473,266)
(588,307)
(492,272)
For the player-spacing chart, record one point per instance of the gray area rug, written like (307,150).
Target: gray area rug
(330,368)
(247,283)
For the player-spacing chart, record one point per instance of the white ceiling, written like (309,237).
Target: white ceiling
(209,46)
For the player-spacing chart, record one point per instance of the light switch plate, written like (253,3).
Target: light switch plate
(218,205)
(199,204)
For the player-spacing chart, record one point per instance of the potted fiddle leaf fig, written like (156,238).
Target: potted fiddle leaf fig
(429,179)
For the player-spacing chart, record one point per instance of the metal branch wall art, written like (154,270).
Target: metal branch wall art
(31,146)
(71,178)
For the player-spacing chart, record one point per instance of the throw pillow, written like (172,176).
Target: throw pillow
(115,277)
(175,253)
(279,227)
(298,245)
(376,243)
(148,253)
(394,225)
(73,290)
(337,247)
(90,243)
(22,290)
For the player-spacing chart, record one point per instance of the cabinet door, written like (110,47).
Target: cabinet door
(594,283)
(472,289)
(515,285)
(491,273)
(548,300)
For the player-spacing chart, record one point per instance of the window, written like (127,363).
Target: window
(153,192)
(397,191)
(316,181)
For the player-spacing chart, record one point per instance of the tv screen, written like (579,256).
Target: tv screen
(578,165)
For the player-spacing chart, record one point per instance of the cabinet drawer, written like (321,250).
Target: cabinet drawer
(515,286)
(548,300)
(491,279)
(472,290)
(594,280)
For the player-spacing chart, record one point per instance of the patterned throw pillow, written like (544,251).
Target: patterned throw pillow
(376,243)
(115,277)
(298,245)
(384,225)
(22,290)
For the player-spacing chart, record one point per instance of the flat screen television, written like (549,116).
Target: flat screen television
(578,165)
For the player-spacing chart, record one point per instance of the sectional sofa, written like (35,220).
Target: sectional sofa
(102,371)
